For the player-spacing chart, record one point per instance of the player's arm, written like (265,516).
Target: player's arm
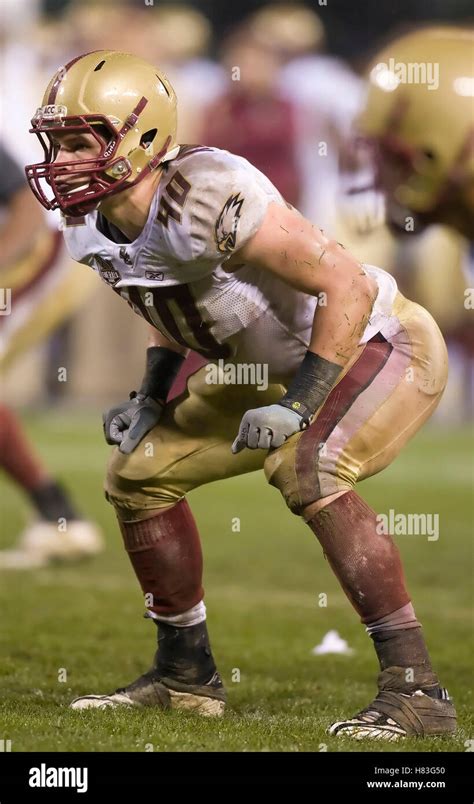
(301,255)
(126,424)
(297,252)
(23,216)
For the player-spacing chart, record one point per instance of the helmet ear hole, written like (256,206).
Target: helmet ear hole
(148,137)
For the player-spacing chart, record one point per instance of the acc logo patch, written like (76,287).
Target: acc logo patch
(106,270)
(227,224)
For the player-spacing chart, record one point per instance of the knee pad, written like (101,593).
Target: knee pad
(306,469)
(135,486)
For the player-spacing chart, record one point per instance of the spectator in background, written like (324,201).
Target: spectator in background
(182,39)
(175,37)
(326,95)
(251,118)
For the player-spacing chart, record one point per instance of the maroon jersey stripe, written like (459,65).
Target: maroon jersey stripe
(183,298)
(69,221)
(137,301)
(162,309)
(159,297)
(182,295)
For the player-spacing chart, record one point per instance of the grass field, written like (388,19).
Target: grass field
(263,585)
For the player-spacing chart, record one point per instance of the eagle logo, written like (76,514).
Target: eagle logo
(228,223)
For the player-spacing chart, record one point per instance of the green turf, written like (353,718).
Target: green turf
(263,585)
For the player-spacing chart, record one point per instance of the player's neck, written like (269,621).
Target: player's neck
(129,210)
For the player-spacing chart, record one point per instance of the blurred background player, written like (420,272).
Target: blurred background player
(420,139)
(176,33)
(41,287)
(326,94)
(422,125)
(288,107)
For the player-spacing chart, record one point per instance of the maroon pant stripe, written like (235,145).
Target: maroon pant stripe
(341,398)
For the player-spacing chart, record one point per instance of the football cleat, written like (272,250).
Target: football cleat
(42,544)
(394,714)
(150,689)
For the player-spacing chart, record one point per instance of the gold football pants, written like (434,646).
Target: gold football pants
(387,391)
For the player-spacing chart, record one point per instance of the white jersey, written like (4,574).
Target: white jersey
(208,204)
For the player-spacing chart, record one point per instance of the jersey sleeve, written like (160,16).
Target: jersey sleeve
(229,208)
(225,200)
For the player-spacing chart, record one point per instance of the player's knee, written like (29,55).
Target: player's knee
(305,479)
(135,486)
(281,472)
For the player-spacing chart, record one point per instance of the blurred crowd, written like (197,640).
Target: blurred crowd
(268,90)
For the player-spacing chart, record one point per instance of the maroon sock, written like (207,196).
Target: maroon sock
(17,456)
(368,567)
(165,552)
(366,563)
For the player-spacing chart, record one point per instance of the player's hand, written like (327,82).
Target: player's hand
(126,424)
(267,427)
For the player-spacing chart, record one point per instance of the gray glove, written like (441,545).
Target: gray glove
(267,427)
(129,422)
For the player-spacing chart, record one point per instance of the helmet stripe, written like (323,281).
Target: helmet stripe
(133,117)
(62,73)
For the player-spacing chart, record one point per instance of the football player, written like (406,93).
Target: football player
(419,115)
(418,122)
(203,246)
(42,289)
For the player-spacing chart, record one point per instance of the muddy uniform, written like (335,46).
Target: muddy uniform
(208,204)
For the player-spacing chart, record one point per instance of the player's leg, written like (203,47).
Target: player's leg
(47,288)
(59,533)
(190,446)
(380,403)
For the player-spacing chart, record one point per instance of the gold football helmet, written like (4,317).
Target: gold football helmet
(130,108)
(292,29)
(420,113)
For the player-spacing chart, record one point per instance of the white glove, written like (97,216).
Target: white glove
(267,427)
